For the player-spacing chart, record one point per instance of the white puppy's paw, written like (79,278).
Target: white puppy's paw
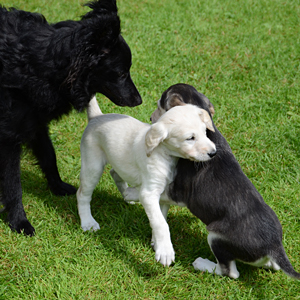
(89,224)
(164,253)
(202,264)
(131,195)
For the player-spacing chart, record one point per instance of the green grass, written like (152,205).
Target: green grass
(243,55)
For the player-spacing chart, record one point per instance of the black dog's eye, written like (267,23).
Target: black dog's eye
(122,74)
(191,138)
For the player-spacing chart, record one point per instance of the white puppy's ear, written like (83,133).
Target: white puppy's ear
(205,117)
(155,135)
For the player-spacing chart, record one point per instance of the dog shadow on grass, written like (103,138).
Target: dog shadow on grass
(125,231)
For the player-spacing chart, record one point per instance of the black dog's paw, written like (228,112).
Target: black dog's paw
(23,226)
(63,189)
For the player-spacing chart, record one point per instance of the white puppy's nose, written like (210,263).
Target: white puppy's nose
(212,154)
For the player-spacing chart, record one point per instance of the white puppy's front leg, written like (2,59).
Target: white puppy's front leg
(164,210)
(164,252)
(120,183)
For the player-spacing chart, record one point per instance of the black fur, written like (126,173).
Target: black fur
(221,195)
(45,70)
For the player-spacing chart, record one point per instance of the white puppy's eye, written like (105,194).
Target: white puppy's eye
(191,138)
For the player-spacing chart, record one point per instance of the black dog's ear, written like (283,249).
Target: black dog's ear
(101,7)
(102,23)
(98,33)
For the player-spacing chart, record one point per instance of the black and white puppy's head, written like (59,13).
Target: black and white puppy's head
(180,94)
(101,58)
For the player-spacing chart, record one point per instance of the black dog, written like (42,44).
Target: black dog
(241,225)
(45,70)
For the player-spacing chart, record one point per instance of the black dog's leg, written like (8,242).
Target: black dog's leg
(11,189)
(43,150)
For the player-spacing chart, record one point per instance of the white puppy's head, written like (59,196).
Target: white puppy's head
(182,129)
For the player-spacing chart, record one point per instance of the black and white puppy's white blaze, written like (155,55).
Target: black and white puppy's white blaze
(241,225)
(45,70)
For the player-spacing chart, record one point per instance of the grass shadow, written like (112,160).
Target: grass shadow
(125,231)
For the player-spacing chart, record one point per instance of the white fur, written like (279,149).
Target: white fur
(93,109)
(265,262)
(145,156)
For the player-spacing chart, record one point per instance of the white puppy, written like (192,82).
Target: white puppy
(144,156)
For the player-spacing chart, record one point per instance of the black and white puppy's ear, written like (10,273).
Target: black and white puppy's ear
(155,135)
(206,119)
(174,100)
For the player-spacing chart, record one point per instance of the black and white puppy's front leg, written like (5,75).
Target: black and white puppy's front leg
(43,150)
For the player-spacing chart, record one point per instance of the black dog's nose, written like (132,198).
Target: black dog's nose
(212,154)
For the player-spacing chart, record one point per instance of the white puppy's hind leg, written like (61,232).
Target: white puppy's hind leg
(164,209)
(120,183)
(92,165)
(84,210)
(130,194)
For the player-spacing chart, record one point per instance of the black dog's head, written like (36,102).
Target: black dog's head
(101,59)
(180,94)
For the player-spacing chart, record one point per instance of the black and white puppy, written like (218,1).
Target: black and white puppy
(241,225)
(45,70)
(144,156)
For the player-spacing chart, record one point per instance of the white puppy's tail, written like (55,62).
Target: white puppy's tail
(93,109)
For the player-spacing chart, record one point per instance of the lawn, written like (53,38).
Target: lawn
(244,56)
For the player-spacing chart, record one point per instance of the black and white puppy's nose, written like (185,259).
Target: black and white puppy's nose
(212,154)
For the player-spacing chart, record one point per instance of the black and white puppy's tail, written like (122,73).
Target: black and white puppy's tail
(279,256)
(93,109)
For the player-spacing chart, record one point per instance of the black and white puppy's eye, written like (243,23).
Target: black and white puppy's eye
(191,138)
